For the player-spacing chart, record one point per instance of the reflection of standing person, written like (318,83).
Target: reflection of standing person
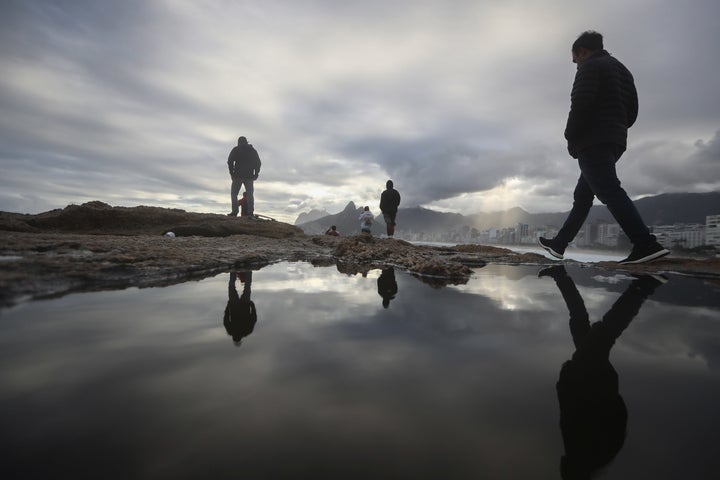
(389,202)
(387,286)
(244,165)
(603,105)
(366,220)
(593,415)
(240,314)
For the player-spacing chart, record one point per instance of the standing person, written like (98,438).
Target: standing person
(603,105)
(366,220)
(244,165)
(389,201)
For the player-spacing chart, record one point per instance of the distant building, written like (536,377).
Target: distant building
(680,235)
(712,230)
(608,234)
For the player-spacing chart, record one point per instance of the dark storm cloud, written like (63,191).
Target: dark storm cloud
(142,100)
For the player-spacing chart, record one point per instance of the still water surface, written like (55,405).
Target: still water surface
(305,372)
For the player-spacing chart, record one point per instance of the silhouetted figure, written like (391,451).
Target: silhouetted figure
(332,231)
(244,165)
(240,314)
(593,415)
(389,202)
(387,286)
(603,106)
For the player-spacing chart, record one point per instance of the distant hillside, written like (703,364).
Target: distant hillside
(662,209)
(347,222)
(310,216)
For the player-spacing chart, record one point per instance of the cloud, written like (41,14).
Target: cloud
(462,104)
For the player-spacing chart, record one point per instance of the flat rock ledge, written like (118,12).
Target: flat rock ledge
(95,247)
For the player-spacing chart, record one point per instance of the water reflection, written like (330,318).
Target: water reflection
(387,286)
(449,383)
(593,415)
(240,313)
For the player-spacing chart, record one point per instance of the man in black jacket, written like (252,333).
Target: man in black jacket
(244,165)
(389,202)
(603,105)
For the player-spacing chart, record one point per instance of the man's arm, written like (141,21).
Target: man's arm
(258,164)
(632,105)
(230,161)
(582,100)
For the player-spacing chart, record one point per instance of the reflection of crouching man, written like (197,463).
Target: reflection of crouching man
(240,314)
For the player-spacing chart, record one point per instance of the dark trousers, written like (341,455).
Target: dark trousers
(599,179)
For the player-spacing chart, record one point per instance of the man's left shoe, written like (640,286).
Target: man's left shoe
(645,253)
(554,271)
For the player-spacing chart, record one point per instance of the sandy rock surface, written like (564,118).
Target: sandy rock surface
(98,247)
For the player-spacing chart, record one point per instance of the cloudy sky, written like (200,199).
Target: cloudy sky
(462,103)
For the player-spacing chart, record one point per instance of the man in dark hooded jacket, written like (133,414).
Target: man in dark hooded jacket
(389,202)
(603,105)
(244,165)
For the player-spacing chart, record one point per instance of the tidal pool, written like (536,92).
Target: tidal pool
(295,371)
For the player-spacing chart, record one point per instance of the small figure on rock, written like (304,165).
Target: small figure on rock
(366,220)
(389,202)
(332,231)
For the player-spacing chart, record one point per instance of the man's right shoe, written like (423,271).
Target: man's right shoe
(645,253)
(552,247)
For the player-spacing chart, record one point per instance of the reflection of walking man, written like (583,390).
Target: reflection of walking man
(593,416)
(244,165)
(240,314)
(387,286)
(603,105)
(389,202)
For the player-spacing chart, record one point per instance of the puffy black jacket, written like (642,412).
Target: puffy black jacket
(389,201)
(603,104)
(244,161)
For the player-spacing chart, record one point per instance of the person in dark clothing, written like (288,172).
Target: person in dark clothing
(389,201)
(593,414)
(240,313)
(332,231)
(603,105)
(387,286)
(244,165)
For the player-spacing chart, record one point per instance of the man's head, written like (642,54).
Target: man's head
(389,184)
(586,44)
(367,209)
(333,228)
(242,141)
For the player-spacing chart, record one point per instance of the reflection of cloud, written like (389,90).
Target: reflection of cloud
(329,377)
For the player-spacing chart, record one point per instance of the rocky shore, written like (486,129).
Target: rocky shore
(95,246)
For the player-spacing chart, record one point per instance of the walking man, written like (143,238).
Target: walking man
(389,201)
(603,105)
(244,165)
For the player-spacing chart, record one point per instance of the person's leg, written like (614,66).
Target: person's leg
(234,190)
(389,223)
(582,202)
(248,182)
(598,167)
